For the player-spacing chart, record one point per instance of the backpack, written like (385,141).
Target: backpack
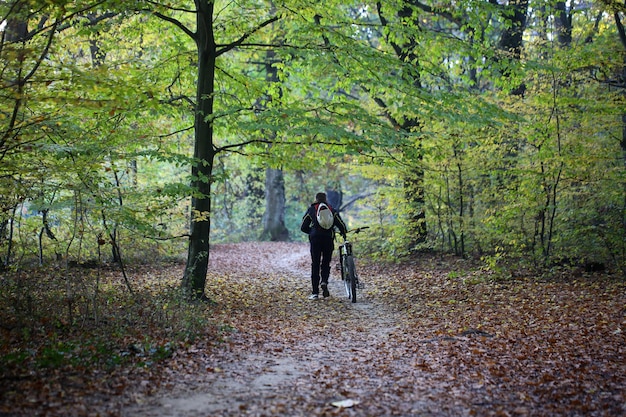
(325,217)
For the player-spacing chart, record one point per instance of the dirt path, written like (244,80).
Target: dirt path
(429,337)
(299,359)
(434,335)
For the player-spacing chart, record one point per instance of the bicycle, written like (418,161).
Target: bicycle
(348,269)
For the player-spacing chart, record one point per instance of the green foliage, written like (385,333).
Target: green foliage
(407,112)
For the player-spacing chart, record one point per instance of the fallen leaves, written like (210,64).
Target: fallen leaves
(428,337)
(550,343)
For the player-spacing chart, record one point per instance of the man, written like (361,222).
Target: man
(321,242)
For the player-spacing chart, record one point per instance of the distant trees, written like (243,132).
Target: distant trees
(491,129)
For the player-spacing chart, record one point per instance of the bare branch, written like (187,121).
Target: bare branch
(176,132)
(166,238)
(354,199)
(274,143)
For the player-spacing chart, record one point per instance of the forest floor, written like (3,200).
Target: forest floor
(433,336)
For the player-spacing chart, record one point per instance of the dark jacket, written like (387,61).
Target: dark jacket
(311,227)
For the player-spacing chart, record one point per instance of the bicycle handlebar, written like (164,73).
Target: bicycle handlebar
(358,229)
(355,231)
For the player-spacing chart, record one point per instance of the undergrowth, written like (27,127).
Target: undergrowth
(89,319)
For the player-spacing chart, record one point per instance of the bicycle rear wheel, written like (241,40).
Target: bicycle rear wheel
(349,280)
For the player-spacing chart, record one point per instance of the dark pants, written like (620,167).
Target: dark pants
(321,253)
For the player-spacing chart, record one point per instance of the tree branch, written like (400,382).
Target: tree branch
(354,199)
(42,56)
(175,22)
(176,9)
(245,36)
(274,143)
(447,15)
(620,29)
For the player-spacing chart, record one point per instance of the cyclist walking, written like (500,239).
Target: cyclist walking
(319,223)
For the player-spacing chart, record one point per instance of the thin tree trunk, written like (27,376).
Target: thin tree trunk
(622,36)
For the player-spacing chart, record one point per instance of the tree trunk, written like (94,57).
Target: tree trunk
(511,40)
(334,196)
(274,218)
(194,278)
(414,176)
(563,24)
(414,192)
(622,36)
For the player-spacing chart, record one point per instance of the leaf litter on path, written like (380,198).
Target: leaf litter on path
(421,343)
(432,336)
(331,345)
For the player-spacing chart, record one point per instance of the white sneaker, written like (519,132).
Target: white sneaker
(314,296)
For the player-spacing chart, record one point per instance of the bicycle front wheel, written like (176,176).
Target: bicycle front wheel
(345,276)
(350,278)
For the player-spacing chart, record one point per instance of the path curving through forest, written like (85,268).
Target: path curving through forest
(288,355)
(433,336)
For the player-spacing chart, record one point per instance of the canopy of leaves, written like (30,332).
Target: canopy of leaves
(98,118)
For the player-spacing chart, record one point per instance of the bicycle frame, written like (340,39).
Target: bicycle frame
(345,249)
(348,268)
